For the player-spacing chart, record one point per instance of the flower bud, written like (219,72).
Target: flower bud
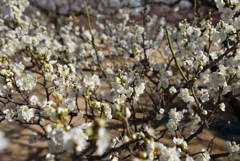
(102,105)
(54,105)
(142,155)
(126,139)
(54,95)
(204,112)
(60,98)
(147,141)
(99,122)
(59,125)
(127,113)
(65,110)
(134,136)
(68,127)
(122,104)
(179,149)
(118,109)
(89,131)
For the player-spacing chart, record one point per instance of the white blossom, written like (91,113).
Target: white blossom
(103,141)
(4,141)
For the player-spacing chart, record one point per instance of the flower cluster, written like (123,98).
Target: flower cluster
(233,149)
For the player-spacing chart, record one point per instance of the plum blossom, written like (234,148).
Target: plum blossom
(102,141)
(4,141)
